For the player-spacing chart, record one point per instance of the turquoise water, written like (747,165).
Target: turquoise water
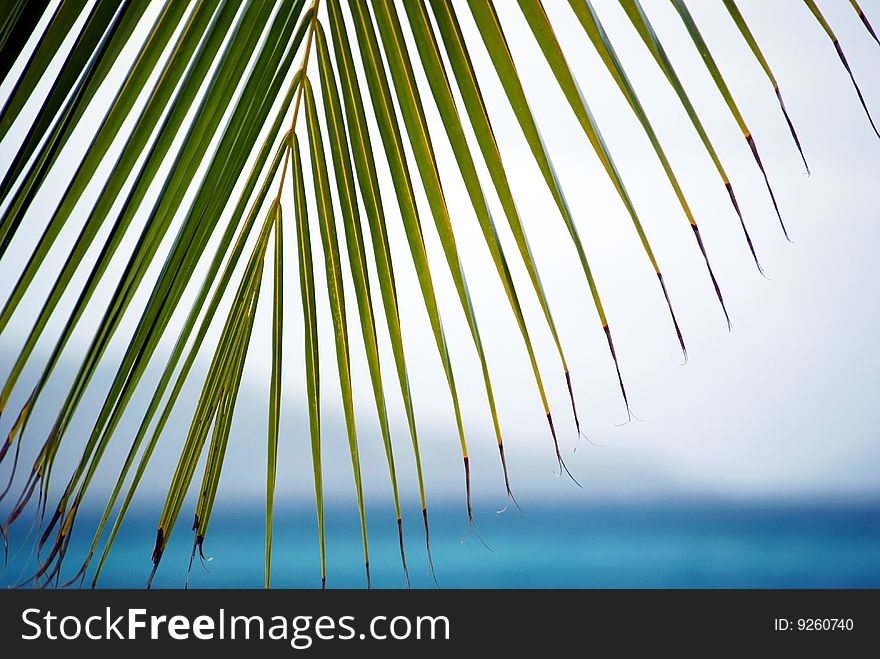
(608,545)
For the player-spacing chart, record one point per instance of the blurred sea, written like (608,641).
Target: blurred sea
(711,544)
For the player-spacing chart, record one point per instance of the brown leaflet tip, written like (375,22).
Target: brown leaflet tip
(25,496)
(71,516)
(54,520)
(15,430)
(856,85)
(44,566)
(60,551)
(868,26)
(12,471)
(323,583)
(577,423)
(150,578)
(507,481)
(742,222)
(402,553)
(81,573)
(157,556)
(428,546)
(711,273)
(192,555)
(791,129)
(160,545)
(617,368)
(504,469)
(367,568)
(562,465)
(467,485)
(674,319)
(754,147)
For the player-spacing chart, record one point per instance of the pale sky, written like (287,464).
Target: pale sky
(781,406)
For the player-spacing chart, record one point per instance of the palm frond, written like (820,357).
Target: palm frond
(174,198)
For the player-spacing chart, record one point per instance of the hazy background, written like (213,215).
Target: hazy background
(777,415)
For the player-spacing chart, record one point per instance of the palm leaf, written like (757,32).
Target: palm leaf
(216,131)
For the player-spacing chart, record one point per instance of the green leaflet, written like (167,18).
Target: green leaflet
(57,30)
(136,79)
(18,23)
(310,332)
(192,229)
(208,283)
(592,26)
(105,35)
(146,336)
(99,18)
(336,297)
(275,381)
(357,258)
(543,33)
(230,385)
